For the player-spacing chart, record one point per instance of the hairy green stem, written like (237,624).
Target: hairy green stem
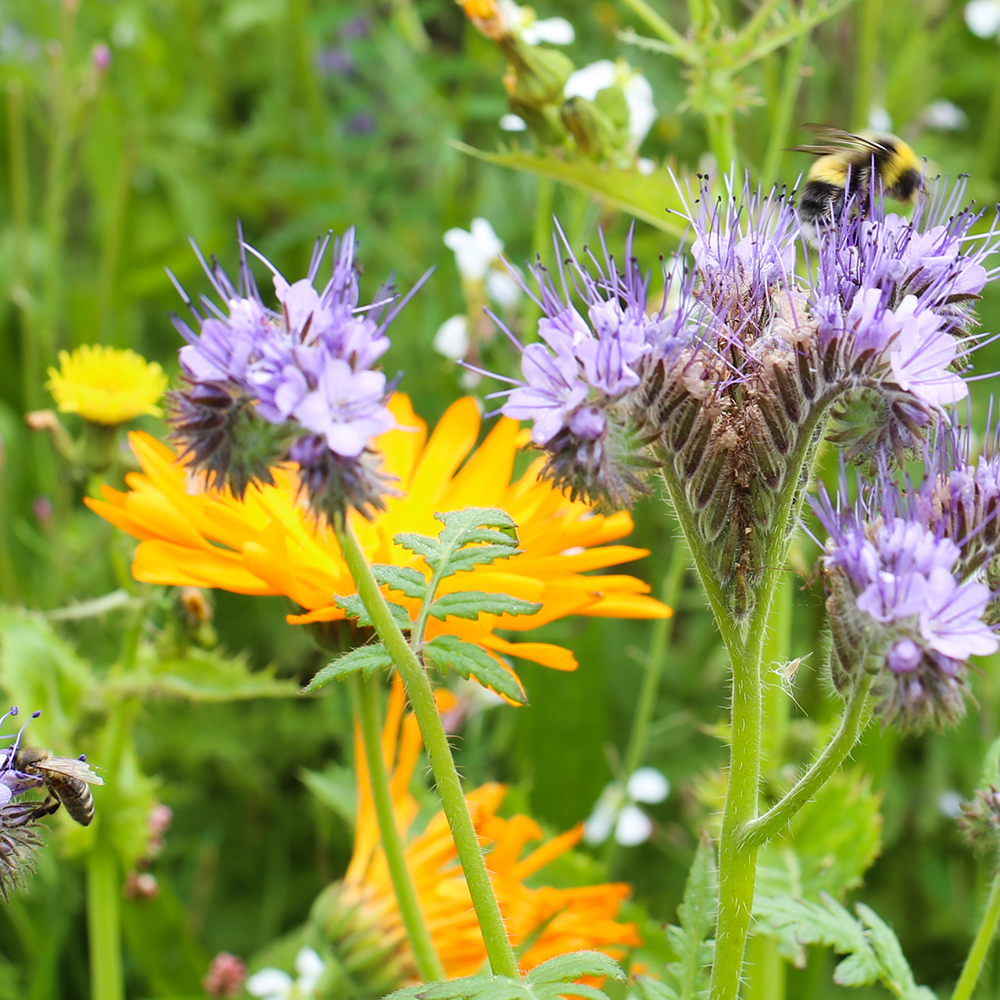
(366,693)
(104,919)
(855,718)
(981,945)
(722,141)
(421,697)
(777,647)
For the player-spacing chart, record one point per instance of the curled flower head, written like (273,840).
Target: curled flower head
(901,604)
(105,385)
(293,383)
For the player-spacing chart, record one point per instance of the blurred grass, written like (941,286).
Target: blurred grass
(295,117)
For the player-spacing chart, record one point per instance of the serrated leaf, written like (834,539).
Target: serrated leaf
(477,555)
(448,652)
(206,675)
(468,519)
(422,545)
(647,198)
(575,965)
(407,992)
(335,787)
(475,988)
(366,659)
(355,608)
(552,991)
(897,974)
(405,579)
(473,603)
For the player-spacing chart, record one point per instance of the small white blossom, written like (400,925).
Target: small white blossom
(983,18)
(475,249)
(879,119)
(945,116)
(502,288)
(275,984)
(616,809)
(648,785)
(950,803)
(523,22)
(598,76)
(646,166)
(634,827)
(452,338)
(513,123)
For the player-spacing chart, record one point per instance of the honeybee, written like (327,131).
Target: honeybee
(66,780)
(844,169)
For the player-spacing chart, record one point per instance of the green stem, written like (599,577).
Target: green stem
(854,720)
(421,697)
(365,692)
(785,108)
(722,141)
(981,945)
(765,974)
(776,649)
(989,143)
(104,920)
(113,236)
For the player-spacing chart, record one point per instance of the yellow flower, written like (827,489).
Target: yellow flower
(269,543)
(554,921)
(105,385)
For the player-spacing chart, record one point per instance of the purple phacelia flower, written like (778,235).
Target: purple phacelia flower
(901,603)
(266,385)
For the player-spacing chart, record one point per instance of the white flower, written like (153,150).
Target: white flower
(513,123)
(502,288)
(523,22)
(587,82)
(616,809)
(475,250)
(983,18)
(646,166)
(879,120)
(274,984)
(452,338)
(945,116)
(648,785)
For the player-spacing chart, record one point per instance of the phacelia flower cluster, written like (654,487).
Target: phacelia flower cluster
(18,838)
(293,384)
(751,357)
(902,602)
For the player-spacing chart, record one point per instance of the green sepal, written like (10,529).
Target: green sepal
(473,603)
(448,652)
(355,608)
(367,659)
(405,579)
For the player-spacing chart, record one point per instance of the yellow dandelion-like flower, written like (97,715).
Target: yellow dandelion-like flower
(269,543)
(542,921)
(106,385)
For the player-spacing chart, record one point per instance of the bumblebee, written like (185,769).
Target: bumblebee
(66,780)
(845,168)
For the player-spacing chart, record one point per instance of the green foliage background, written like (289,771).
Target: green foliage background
(296,116)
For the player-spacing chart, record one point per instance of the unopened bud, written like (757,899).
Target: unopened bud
(224,980)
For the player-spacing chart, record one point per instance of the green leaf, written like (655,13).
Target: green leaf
(206,675)
(478,555)
(575,965)
(832,842)
(696,914)
(991,766)
(422,545)
(405,579)
(653,989)
(646,197)
(896,973)
(367,659)
(355,608)
(463,526)
(336,787)
(446,652)
(473,603)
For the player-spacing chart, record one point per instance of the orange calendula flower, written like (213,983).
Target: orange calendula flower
(554,921)
(269,543)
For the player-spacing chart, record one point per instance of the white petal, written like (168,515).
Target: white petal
(879,119)
(641,109)
(646,166)
(648,785)
(513,123)
(502,288)
(950,803)
(983,17)
(588,81)
(598,826)
(452,338)
(308,963)
(633,827)
(552,30)
(945,116)
(270,984)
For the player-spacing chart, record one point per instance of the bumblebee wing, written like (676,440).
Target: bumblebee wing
(70,767)
(837,139)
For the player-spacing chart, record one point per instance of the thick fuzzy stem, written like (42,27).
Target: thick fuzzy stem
(981,945)
(421,697)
